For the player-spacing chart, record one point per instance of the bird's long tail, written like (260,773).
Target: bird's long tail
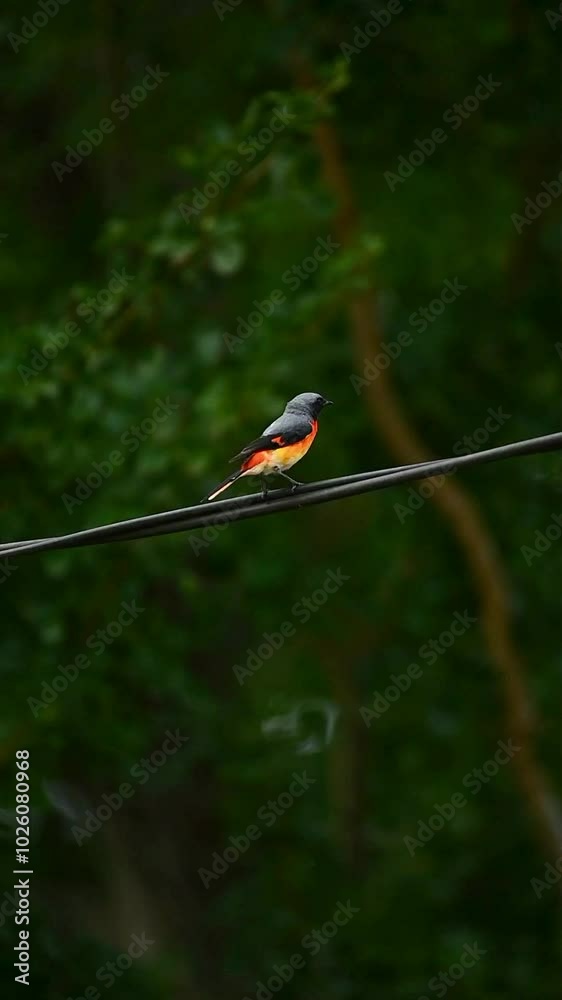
(224,485)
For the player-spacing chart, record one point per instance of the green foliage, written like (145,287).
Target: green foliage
(155,341)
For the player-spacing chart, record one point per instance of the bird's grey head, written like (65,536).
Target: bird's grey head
(309,403)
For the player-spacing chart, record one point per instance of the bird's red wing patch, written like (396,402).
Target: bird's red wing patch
(308,439)
(286,453)
(256,459)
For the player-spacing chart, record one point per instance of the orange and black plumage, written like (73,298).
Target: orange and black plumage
(282,444)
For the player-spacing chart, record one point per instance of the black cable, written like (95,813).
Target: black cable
(134,528)
(128,527)
(253,505)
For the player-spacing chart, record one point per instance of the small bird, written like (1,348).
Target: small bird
(282,444)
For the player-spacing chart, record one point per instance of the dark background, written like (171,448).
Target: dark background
(162,335)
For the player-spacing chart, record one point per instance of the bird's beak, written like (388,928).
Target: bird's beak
(328,402)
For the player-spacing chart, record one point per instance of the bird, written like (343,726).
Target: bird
(281,444)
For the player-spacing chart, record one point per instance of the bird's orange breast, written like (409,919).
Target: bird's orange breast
(285,456)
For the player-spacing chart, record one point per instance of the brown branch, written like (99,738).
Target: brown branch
(466,522)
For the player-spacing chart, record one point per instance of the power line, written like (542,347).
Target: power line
(278,501)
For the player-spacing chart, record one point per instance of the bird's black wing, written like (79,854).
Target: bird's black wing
(287,429)
(263,443)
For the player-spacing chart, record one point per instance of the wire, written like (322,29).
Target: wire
(128,528)
(254,505)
